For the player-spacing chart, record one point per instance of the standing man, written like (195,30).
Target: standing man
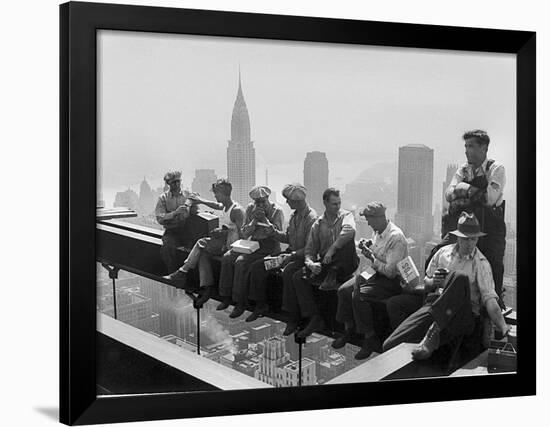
(330,257)
(295,235)
(467,289)
(172,212)
(389,246)
(220,240)
(261,217)
(477,187)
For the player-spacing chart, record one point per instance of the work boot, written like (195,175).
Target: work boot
(238,310)
(428,345)
(260,311)
(291,327)
(178,277)
(226,302)
(315,324)
(204,295)
(342,340)
(370,344)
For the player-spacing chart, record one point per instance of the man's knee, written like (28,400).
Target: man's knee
(228,257)
(346,288)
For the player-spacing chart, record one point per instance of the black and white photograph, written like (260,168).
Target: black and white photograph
(285,214)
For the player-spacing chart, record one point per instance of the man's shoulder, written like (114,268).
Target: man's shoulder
(494,165)
(447,249)
(480,257)
(312,214)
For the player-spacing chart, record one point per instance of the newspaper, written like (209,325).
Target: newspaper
(408,272)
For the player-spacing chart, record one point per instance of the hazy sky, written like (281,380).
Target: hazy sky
(165,102)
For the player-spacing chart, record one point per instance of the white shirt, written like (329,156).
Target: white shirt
(475,266)
(496,179)
(388,248)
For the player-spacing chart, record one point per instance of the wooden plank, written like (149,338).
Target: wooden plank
(199,367)
(378,367)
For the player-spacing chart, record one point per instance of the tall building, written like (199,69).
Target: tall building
(510,258)
(202,183)
(241,156)
(127,199)
(273,357)
(316,179)
(147,199)
(415,192)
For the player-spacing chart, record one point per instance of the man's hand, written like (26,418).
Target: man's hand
(367,253)
(286,259)
(327,259)
(439,280)
(315,267)
(259,214)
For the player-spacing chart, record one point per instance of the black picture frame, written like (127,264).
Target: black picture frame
(79,22)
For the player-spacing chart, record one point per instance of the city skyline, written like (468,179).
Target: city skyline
(310,109)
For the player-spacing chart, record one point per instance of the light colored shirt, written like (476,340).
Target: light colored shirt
(299,226)
(388,248)
(274,215)
(324,233)
(227,219)
(166,205)
(496,179)
(475,266)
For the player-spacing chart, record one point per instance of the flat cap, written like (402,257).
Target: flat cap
(374,209)
(259,192)
(171,176)
(294,192)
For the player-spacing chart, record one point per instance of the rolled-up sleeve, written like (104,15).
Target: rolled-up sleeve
(162,215)
(347,232)
(434,264)
(485,282)
(312,245)
(458,177)
(495,186)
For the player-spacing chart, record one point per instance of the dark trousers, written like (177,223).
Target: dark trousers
(344,263)
(258,281)
(494,244)
(355,298)
(401,306)
(171,240)
(452,312)
(235,270)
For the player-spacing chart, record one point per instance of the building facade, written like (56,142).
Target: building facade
(202,182)
(316,179)
(415,192)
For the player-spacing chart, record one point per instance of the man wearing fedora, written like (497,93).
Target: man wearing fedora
(467,289)
(295,236)
(477,187)
(261,217)
(389,246)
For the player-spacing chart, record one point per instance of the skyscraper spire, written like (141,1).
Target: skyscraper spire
(241,156)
